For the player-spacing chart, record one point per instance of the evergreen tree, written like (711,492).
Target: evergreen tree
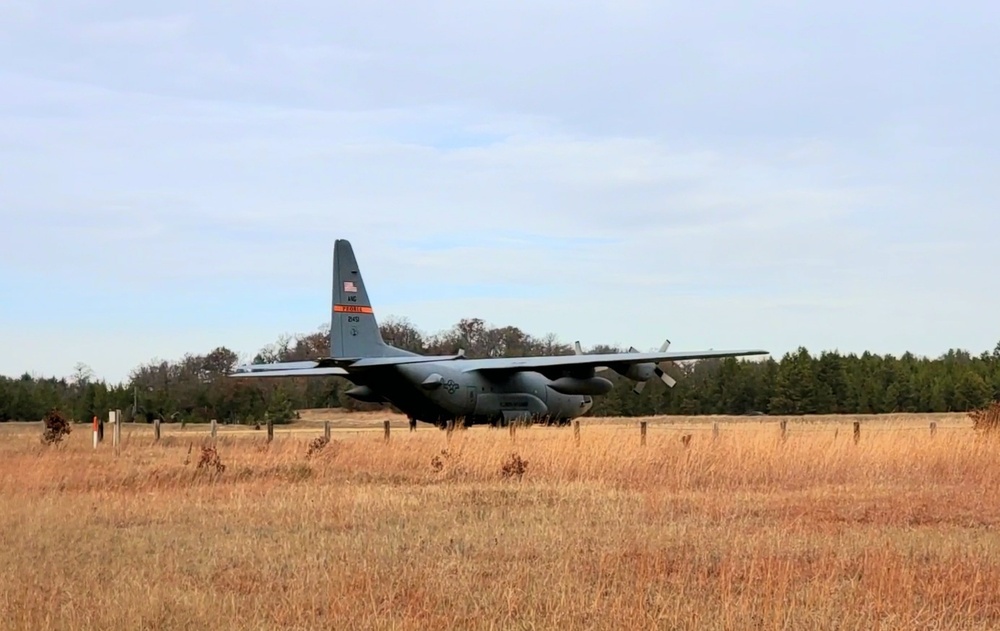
(196,388)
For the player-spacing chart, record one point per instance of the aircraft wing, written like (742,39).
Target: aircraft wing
(554,363)
(543,364)
(287,369)
(333,366)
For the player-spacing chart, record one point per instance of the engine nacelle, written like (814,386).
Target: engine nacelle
(574,385)
(639,372)
(365,394)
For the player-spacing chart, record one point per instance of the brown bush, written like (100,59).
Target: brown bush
(56,428)
(210,459)
(986,419)
(514,466)
(316,445)
(437,462)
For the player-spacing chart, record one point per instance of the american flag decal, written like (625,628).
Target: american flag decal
(349,286)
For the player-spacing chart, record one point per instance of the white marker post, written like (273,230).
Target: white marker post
(117,430)
(96,431)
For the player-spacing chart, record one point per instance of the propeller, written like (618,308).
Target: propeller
(658,370)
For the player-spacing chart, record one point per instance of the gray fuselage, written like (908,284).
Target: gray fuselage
(436,392)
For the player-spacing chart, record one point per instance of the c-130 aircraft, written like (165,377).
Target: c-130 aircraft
(438,389)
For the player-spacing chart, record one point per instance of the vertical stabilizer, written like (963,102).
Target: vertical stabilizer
(354,331)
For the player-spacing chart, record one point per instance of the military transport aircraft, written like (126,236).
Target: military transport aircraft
(438,389)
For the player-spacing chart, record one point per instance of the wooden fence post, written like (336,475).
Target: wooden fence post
(513,431)
(214,428)
(156,430)
(784,429)
(576,432)
(642,433)
(270,429)
(715,430)
(933,427)
(385,428)
(326,430)
(857,432)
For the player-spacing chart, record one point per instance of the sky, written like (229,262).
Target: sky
(723,174)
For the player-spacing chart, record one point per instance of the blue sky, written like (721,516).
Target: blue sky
(173,175)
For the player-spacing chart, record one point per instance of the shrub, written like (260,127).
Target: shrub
(56,428)
(514,466)
(210,459)
(317,445)
(986,419)
(437,462)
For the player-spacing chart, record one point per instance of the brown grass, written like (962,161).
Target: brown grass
(741,532)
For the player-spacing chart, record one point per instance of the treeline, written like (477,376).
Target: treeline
(195,388)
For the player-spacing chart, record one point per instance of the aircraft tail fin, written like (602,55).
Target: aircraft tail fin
(354,332)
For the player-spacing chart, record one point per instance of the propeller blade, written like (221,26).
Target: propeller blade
(666,345)
(664,377)
(578,348)
(638,387)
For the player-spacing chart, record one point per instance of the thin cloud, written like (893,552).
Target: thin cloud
(800,178)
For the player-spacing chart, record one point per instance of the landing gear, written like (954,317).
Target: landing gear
(413,424)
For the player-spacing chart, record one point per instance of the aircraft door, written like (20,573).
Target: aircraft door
(471,400)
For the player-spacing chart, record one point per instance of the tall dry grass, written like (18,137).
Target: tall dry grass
(745,531)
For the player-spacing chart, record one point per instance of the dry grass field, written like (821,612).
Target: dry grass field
(736,531)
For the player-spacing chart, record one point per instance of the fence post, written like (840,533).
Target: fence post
(933,427)
(214,428)
(642,433)
(413,424)
(857,432)
(116,431)
(385,428)
(513,431)
(784,429)
(576,432)
(715,430)
(156,430)
(270,429)
(326,430)
(96,432)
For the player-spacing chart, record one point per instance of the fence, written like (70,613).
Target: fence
(687,432)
